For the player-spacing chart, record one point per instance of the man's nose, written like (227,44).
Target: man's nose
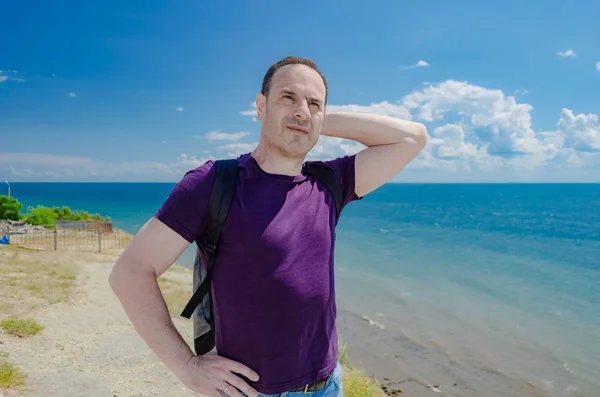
(302,112)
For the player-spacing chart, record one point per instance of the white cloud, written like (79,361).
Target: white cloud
(517,93)
(580,132)
(44,159)
(598,66)
(180,109)
(501,130)
(35,167)
(222,136)
(570,53)
(419,64)
(383,108)
(449,142)
(236,149)
(28,173)
(72,94)
(498,120)
(251,112)
(330,147)
(9,75)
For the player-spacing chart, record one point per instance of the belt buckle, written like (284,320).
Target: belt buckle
(326,379)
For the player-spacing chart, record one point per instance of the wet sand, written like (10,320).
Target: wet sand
(401,364)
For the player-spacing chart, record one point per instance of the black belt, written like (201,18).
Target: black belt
(314,386)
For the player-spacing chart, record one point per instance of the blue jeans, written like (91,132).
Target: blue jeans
(333,388)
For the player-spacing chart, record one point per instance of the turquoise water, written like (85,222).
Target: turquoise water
(502,277)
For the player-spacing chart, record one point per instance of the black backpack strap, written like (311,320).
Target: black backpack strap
(327,176)
(221,197)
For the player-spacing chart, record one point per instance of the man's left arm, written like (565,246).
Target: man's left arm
(391,143)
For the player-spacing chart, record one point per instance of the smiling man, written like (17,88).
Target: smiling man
(273,280)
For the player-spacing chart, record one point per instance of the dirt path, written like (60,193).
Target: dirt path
(89,348)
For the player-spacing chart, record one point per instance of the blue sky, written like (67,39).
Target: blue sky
(145,90)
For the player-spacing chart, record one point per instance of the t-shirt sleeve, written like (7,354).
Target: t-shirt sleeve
(344,168)
(185,209)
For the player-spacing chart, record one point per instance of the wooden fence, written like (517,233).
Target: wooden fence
(75,235)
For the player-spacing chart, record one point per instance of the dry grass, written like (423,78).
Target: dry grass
(30,280)
(10,376)
(21,327)
(33,279)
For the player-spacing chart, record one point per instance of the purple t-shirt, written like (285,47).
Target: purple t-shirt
(273,278)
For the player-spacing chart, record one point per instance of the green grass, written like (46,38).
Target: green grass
(355,382)
(21,327)
(10,376)
(358,384)
(343,353)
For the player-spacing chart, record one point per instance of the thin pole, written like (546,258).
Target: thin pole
(8,189)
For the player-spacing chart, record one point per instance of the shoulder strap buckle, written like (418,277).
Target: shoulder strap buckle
(210,247)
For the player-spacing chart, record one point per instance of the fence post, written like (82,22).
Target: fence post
(55,239)
(99,242)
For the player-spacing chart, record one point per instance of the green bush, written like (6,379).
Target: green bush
(40,216)
(47,215)
(10,208)
(67,214)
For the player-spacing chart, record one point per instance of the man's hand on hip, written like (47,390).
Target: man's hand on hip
(210,373)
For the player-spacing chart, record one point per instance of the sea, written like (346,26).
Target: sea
(470,289)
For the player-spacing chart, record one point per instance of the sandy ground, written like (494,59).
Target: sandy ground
(89,348)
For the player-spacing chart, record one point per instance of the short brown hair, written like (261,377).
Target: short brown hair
(290,60)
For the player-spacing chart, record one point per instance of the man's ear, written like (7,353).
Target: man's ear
(260,106)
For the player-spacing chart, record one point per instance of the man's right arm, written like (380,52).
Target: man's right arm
(134,281)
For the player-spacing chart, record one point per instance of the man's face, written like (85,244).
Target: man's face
(294,111)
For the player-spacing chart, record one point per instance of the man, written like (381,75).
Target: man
(273,281)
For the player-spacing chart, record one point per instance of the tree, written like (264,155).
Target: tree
(10,208)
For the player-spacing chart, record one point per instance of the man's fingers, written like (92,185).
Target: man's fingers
(241,369)
(230,390)
(239,383)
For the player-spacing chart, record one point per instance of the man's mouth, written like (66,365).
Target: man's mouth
(297,128)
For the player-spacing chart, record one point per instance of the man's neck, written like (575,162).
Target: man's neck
(273,162)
